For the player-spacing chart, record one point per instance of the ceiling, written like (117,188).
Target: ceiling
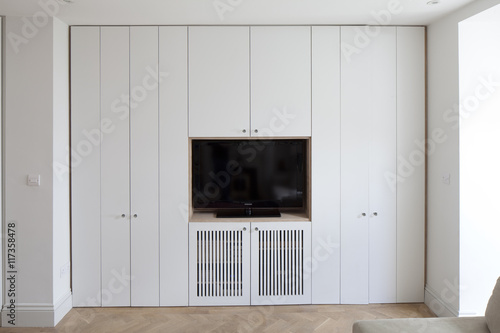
(215,12)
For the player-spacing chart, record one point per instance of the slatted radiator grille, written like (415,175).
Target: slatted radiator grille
(219,263)
(281,262)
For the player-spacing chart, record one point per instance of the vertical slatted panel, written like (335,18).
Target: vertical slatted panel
(218,269)
(281,254)
(281,262)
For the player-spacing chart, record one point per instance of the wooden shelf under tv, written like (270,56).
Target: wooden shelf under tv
(286,216)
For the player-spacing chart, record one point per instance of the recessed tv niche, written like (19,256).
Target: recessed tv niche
(249,178)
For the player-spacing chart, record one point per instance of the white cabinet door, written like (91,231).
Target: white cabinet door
(355,124)
(382,211)
(219,92)
(281,263)
(144,78)
(326,164)
(85,181)
(280,81)
(115,177)
(219,264)
(411,191)
(368,150)
(174,177)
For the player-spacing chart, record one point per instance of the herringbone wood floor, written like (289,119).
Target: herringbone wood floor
(266,319)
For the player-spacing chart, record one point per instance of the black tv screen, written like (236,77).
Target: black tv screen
(229,174)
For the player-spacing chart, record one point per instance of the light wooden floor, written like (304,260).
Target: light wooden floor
(268,319)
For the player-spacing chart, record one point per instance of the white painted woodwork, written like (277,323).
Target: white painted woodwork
(86,137)
(411,191)
(144,237)
(356,105)
(326,165)
(174,168)
(368,271)
(280,79)
(368,108)
(219,264)
(219,69)
(280,263)
(115,178)
(382,146)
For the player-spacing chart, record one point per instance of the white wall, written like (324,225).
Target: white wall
(34,104)
(479,162)
(443,247)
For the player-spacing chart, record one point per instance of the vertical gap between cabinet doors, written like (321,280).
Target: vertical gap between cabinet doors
(310,100)
(396,159)
(250,125)
(340,157)
(187,78)
(69,163)
(129,165)
(100,166)
(426,179)
(158,161)
(340,162)
(190,209)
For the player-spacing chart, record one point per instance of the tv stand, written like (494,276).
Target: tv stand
(248,212)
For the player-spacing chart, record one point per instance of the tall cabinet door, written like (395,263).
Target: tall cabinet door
(144,226)
(356,106)
(280,81)
(115,172)
(326,164)
(368,150)
(174,166)
(219,79)
(382,197)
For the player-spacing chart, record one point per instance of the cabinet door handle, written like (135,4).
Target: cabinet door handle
(244,131)
(123,216)
(244,228)
(135,215)
(256,131)
(256,229)
(363,214)
(375,214)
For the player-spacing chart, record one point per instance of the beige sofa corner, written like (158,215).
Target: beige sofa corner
(490,323)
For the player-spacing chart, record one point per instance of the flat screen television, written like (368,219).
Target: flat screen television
(239,178)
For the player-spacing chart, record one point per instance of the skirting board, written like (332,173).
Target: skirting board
(438,305)
(38,314)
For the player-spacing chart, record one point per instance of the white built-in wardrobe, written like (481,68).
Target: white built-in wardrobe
(138,94)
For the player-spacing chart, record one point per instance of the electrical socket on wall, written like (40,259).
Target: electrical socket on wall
(65,269)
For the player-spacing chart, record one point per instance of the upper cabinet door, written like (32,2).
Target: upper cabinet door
(280,81)
(219,93)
